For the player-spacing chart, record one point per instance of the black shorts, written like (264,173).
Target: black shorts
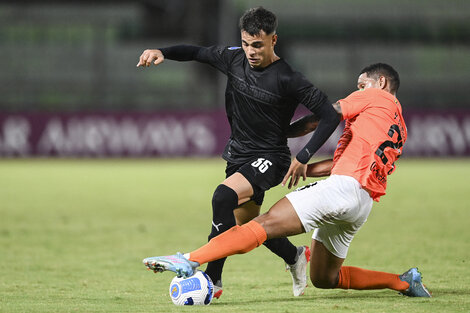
(263,173)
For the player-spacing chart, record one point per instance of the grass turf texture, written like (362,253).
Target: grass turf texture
(73,234)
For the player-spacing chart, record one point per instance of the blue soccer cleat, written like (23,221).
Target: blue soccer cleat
(176,263)
(416,288)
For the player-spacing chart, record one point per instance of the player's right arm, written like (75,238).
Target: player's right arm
(150,56)
(177,53)
(219,57)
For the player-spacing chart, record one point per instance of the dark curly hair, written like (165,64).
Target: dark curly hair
(255,20)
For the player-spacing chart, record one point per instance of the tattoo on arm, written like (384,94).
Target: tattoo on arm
(337,108)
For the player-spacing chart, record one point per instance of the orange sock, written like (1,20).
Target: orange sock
(236,240)
(362,279)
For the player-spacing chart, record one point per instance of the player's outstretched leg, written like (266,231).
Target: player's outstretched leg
(298,271)
(408,283)
(416,288)
(176,263)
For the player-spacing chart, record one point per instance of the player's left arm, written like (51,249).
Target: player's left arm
(329,120)
(308,123)
(317,102)
(320,168)
(337,108)
(303,126)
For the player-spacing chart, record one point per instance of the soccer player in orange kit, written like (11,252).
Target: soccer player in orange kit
(336,207)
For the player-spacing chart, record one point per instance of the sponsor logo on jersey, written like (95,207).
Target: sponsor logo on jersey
(260,95)
(377,172)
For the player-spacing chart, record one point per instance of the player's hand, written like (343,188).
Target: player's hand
(150,56)
(296,170)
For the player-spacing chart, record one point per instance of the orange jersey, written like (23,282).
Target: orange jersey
(372,139)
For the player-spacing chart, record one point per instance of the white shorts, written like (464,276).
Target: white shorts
(335,207)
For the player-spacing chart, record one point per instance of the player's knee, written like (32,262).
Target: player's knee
(224,196)
(224,201)
(323,281)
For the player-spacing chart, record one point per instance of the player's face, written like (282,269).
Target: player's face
(365,82)
(259,49)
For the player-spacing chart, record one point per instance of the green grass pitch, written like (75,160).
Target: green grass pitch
(73,234)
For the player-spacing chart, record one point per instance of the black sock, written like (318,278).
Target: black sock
(214,270)
(224,201)
(283,248)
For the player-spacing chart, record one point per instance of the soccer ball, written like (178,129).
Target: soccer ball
(195,290)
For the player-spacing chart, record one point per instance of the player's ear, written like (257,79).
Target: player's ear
(274,40)
(383,83)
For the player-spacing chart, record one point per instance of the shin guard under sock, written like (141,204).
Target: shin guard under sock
(224,201)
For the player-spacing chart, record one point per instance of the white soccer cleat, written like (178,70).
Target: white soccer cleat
(218,289)
(298,271)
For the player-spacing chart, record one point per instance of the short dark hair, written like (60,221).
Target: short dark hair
(382,69)
(254,20)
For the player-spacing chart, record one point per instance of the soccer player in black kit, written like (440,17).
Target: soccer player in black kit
(261,96)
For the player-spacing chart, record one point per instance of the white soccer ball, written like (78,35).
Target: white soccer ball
(195,290)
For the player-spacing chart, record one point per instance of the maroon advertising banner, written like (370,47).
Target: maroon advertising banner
(438,133)
(113,134)
(197,133)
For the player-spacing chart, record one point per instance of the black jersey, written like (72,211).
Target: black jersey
(260,103)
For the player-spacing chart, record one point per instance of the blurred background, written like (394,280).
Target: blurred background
(69,84)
